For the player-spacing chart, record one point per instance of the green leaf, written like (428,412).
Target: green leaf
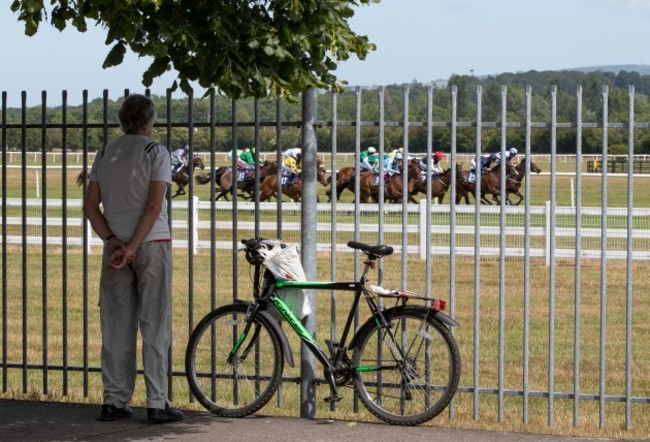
(115,56)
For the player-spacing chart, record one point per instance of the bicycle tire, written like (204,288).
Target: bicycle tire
(244,386)
(432,362)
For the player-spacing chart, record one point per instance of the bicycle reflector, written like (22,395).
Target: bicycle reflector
(439,304)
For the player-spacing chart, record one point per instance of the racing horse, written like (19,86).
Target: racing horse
(182,177)
(247,186)
(205,178)
(513,184)
(393,189)
(490,184)
(268,187)
(440,183)
(344,180)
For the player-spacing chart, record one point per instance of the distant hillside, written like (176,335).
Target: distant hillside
(642,69)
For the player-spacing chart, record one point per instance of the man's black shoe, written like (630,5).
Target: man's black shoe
(111,412)
(159,416)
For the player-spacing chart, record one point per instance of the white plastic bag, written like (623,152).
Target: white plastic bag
(284,263)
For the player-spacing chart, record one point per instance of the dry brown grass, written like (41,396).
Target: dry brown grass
(463,300)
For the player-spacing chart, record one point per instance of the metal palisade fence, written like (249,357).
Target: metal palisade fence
(549,294)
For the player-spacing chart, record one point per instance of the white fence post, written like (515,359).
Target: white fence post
(195,225)
(547,233)
(423,228)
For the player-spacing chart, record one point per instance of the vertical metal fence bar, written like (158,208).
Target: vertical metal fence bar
(603,264)
(23,182)
(44,238)
(502,253)
(629,264)
(168,201)
(333,217)
(64,240)
(86,241)
(235,201)
(551,282)
(405,191)
(256,155)
(427,233)
(213,236)
(477,254)
(308,242)
(526,178)
(357,179)
(5,384)
(452,217)
(381,97)
(278,159)
(578,262)
(168,143)
(213,210)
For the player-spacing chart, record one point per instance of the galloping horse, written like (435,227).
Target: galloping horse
(268,187)
(513,184)
(247,186)
(440,183)
(394,188)
(205,178)
(344,180)
(490,184)
(182,177)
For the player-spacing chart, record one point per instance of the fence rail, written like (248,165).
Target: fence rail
(440,229)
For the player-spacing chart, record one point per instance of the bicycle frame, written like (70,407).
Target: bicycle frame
(337,349)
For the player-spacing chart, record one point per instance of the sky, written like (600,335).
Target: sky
(423,40)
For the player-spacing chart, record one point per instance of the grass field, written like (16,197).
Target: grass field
(43,309)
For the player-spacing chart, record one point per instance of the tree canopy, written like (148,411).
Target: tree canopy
(244,48)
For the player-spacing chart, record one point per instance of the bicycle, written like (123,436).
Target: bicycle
(403,362)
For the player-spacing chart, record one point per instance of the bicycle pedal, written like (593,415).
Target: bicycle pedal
(334,398)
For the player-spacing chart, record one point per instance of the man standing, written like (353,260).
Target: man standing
(129,180)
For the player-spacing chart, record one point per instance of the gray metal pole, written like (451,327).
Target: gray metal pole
(308,247)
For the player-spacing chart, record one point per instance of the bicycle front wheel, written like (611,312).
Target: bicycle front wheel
(406,374)
(233,373)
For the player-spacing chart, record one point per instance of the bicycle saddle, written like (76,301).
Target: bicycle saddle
(378,250)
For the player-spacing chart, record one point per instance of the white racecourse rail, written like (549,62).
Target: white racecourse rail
(540,228)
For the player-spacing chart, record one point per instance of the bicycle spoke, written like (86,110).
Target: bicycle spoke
(423,378)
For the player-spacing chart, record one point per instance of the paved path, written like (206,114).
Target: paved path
(48,421)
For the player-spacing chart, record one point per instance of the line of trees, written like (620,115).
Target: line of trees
(541,83)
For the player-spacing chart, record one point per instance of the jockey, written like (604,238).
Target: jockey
(291,169)
(395,165)
(368,159)
(180,158)
(510,154)
(293,153)
(435,165)
(487,160)
(246,160)
(245,164)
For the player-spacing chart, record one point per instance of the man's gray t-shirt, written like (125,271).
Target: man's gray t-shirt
(124,170)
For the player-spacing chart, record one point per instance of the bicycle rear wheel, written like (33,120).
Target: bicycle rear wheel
(412,389)
(243,385)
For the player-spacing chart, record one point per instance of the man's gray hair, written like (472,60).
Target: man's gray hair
(137,114)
